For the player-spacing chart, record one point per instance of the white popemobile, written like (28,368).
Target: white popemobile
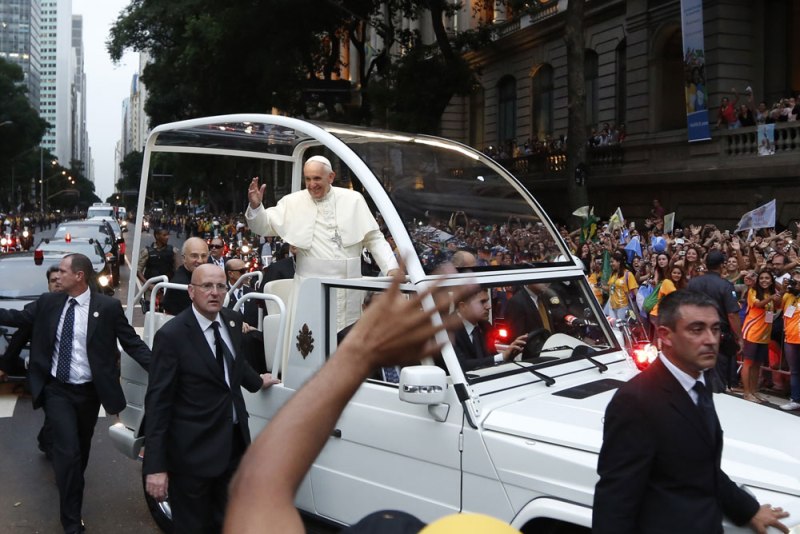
(519,440)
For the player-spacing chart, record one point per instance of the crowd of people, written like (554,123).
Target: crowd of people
(607,134)
(732,114)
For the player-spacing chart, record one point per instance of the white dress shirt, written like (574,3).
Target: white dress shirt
(79,371)
(686,381)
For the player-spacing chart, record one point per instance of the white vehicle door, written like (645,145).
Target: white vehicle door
(385,453)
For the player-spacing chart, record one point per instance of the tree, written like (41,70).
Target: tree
(21,130)
(576,105)
(211,57)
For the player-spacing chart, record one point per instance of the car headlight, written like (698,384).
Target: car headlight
(25,233)
(245,249)
(4,241)
(103,280)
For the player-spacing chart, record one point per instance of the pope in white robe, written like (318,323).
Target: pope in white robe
(330,226)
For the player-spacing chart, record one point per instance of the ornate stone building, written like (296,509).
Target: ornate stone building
(635,77)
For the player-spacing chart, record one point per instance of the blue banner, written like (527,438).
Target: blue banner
(694,67)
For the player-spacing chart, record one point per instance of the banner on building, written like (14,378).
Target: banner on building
(694,70)
(766,139)
(761,217)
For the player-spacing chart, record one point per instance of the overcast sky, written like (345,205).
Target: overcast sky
(108,86)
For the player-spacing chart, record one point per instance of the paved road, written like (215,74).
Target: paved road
(113,501)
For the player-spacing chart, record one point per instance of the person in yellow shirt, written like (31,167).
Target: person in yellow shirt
(621,287)
(763,301)
(791,345)
(595,279)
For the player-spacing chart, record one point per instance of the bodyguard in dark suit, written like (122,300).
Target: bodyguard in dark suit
(195,253)
(196,421)
(659,465)
(469,341)
(73,369)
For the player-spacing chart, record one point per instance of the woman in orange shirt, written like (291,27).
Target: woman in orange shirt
(763,301)
(791,345)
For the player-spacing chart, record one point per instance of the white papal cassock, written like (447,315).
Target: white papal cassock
(329,234)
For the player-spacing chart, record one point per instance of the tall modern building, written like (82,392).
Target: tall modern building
(56,79)
(20,22)
(80,138)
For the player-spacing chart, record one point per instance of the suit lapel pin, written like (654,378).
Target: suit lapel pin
(233,325)
(96,315)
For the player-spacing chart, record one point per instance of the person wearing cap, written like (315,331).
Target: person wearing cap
(723,294)
(330,226)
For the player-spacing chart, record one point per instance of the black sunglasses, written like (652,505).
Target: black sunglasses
(216,246)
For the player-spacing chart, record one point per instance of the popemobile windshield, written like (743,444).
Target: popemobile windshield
(517,440)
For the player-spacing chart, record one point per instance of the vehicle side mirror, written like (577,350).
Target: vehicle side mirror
(423,384)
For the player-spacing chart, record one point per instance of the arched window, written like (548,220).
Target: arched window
(542,102)
(590,81)
(476,112)
(621,101)
(671,99)
(506,109)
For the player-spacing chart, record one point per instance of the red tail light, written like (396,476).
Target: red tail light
(68,237)
(122,248)
(643,355)
(38,257)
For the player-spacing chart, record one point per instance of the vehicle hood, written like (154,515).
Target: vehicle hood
(760,448)
(570,415)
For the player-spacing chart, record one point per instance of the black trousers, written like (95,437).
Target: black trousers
(198,503)
(71,415)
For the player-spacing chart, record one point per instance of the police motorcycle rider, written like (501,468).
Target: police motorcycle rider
(159,258)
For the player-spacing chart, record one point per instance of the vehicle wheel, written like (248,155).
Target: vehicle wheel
(161,512)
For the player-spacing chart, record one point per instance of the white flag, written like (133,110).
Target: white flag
(761,217)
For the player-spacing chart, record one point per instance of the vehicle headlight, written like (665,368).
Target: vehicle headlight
(124,223)
(103,280)
(4,241)
(25,233)
(245,249)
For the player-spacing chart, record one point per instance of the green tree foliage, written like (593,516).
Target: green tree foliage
(20,133)
(213,57)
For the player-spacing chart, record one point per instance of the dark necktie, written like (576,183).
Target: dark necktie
(705,405)
(478,343)
(65,344)
(219,347)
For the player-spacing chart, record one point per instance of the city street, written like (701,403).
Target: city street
(113,500)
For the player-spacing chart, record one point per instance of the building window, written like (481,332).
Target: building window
(590,82)
(476,114)
(506,110)
(542,102)
(622,83)
(671,102)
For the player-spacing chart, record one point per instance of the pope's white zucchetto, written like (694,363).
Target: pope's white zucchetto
(322,160)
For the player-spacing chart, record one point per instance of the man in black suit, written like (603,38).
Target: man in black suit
(73,369)
(469,342)
(283,268)
(659,464)
(215,249)
(196,423)
(234,269)
(533,307)
(195,254)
